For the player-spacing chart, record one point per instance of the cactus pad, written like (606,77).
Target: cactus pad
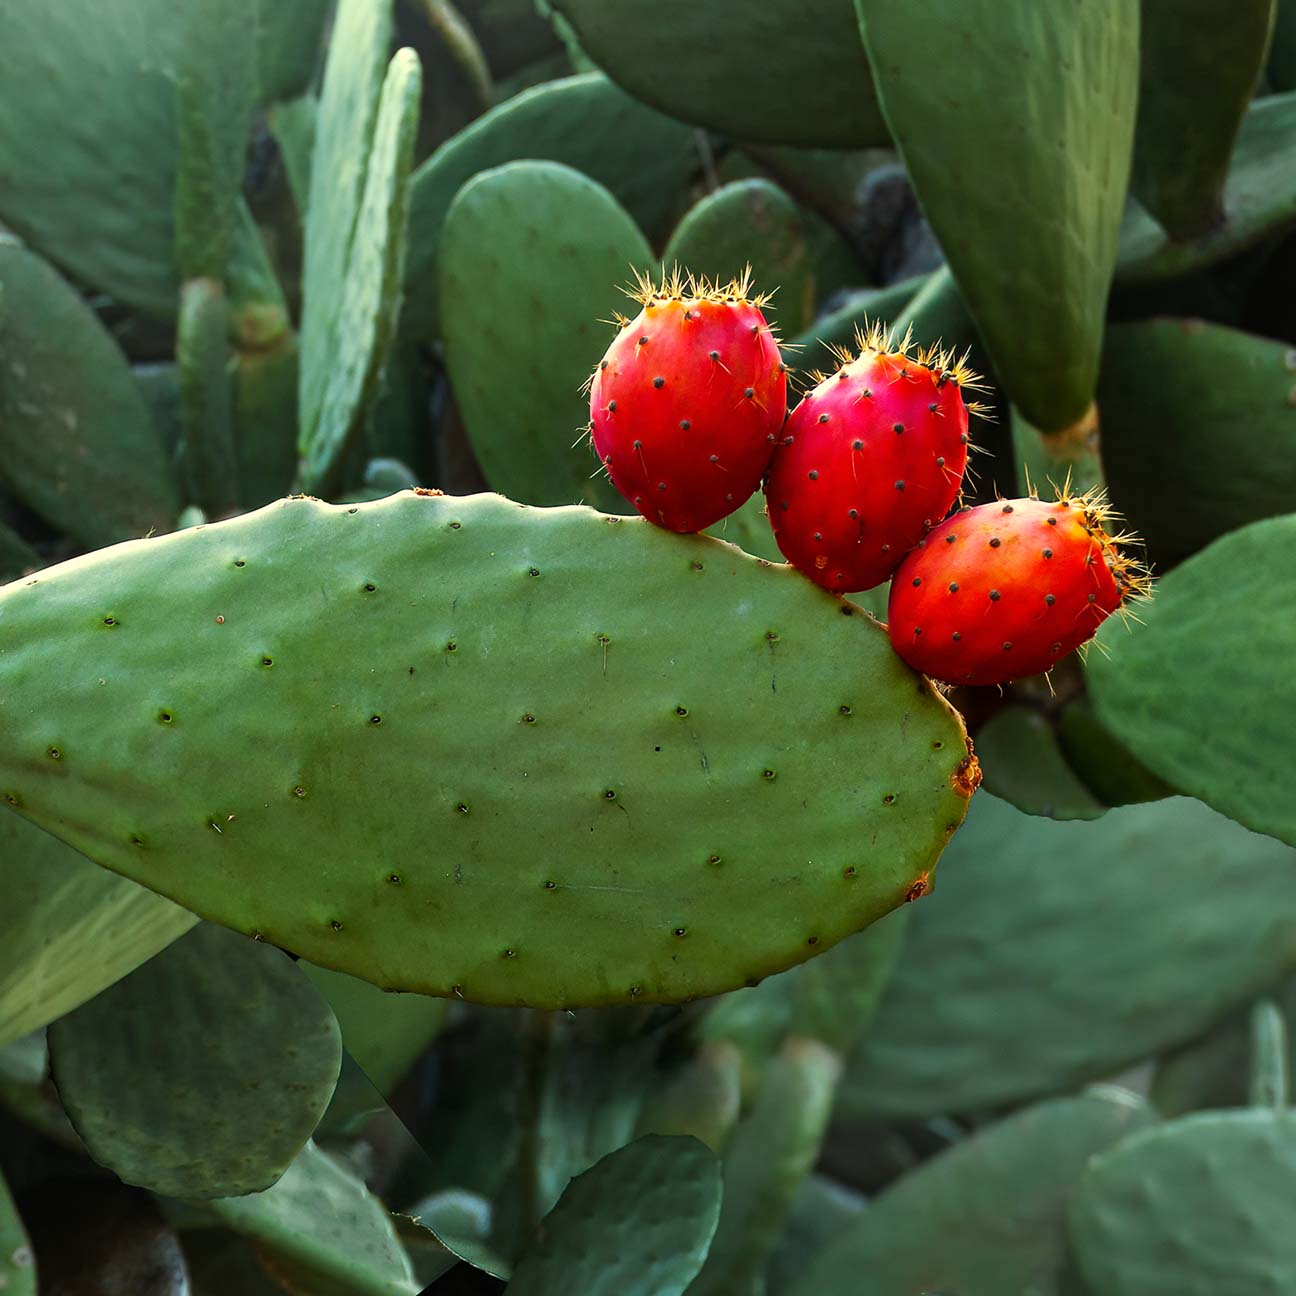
(68,929)
(782,72)
(17,1264)
(217,1112)
(650,704)
(1221,620)
(1005,986)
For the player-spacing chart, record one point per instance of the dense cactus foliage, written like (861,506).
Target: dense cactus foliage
(869,872)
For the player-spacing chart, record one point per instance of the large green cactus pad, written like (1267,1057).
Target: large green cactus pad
(1061,952)
(217,1111)
(532,256)
(1221,621)
(985,1218)
(1191,457)
(467,747)
(1021,171)
(77,444)
(784,71)
(67,928)
(1196,1207)
(638,1223)
(586,122)
(1199,68)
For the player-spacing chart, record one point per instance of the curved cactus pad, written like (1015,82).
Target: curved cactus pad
(467,747)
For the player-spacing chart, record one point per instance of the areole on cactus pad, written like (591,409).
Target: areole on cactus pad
(686,404)
(1008,589)
(870,460)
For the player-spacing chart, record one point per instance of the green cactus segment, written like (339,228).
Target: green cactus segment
(1005,986)
(289,46)
(1194,1207)
(293,125)
(1103,765)
(752,222)
(1021,173)
(765,1163)
(77,444)
(831,998)
(822,1210)
(1023,764)
(638,1223)
(354,228)
(68,929)
(838,327)
(537,305)
(1282,50)
(984,1218)
(689,59)
(643,158)
(259,316)
(384,1033)
(1225,614)
(701,1099)
(217,1112)
(1269,1052)
(265,421)
(1259,201)
(405,637)
(205,414)
(1222,434)
(319,1229)
(17,1261)
(1199,68)
(1048,460)
(215,94)
(75,75)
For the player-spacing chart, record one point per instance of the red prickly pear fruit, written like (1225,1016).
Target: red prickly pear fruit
(869,461)
(1008,589)
(687,402)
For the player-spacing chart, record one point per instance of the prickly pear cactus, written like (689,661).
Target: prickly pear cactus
(741,693)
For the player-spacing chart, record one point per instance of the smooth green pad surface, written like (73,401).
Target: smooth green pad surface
(751,222)
(321,1230)
(782,72)
(217,1111)
(203,356)
(67,927)
(638,1223)
(1052,954)
(1199,67)
(384,1033)
(1195,1207)
(1023,763)
(17,1264)
(1020,171)
(766,1161)
(77,443)
(1259,201)
(643,158)
(1199,430)
(353,284)
(88,108)
(985,1218)
(648,702)
(1219,626)
(532,258)
(1106,768)
(215,95)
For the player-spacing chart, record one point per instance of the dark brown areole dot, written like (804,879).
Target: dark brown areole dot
(685,425)
(659,383)
(899,485)
(994,596)
(995,542)
(1048,553)
(956,636)
(1049,599)
(823,418)
(897,428)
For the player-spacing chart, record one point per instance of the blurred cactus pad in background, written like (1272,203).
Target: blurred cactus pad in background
(422,873)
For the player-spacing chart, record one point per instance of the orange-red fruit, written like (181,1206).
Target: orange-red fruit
(868,462)
(1005,590)
(686,405)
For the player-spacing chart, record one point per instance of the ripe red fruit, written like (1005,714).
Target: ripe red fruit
(869,461)
(1008,589)
(687,402)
